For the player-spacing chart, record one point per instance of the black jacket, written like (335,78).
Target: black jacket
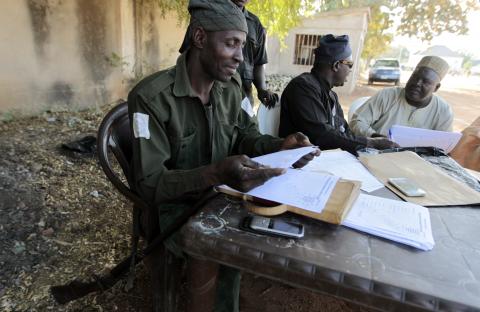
(309,105)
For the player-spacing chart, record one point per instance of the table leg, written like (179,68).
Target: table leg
(201,284)
(165,272)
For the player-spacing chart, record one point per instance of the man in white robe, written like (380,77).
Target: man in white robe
(412,106)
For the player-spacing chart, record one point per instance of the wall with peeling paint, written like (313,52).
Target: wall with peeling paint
(74,54)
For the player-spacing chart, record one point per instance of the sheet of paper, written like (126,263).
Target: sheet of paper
(399,221)
(344,165)
(411,137)
(302,189)
(284,159)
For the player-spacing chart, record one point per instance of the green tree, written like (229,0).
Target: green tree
(467,63)
(178,6)
(279,16)
(379,35)
(423,19)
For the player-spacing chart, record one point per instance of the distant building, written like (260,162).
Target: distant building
(302,40)
(453,59)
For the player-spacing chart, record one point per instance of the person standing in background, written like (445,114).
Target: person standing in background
(251,70)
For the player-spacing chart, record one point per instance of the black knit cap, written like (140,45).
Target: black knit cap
(332,48)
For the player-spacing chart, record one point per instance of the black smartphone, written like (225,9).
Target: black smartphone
(272,226)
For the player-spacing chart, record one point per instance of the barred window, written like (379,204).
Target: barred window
(304,46)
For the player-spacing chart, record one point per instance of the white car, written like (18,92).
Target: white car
(475,70)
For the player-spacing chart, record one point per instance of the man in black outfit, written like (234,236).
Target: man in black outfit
(251,70)
(310,106)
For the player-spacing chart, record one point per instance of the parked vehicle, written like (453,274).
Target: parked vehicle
(385,70)
(475,70)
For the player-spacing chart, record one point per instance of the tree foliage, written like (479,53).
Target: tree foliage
(423,19)
(279,16)
(467,63)
(379,35)
(178,6)
(426,19)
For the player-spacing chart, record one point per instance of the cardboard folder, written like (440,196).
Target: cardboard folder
(441,189)
(338,205)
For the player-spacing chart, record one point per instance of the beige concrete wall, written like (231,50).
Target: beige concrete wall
(52,55)
(353,22)
(172,34)
(158,37)
(74,54)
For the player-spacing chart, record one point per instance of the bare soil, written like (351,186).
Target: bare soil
(61,219)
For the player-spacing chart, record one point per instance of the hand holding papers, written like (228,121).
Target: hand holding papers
(399,221)
(306,190)
(300,191)
(411,137)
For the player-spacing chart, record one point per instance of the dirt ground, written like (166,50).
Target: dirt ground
(61,218)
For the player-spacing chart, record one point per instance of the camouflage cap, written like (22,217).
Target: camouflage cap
(435,63)
(216,15)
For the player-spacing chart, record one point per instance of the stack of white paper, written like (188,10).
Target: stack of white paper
(284,159)
(302,189)
(344,165)
(399,221)
(411,137)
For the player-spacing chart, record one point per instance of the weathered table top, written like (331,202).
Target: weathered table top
(352,265)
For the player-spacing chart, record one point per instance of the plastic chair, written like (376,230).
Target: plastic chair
(269,119)
(114,135)
(355,105)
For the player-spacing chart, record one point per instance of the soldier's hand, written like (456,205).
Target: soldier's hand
(381,143)
(297,140)
(378,135)
(267,97)
(244,174)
